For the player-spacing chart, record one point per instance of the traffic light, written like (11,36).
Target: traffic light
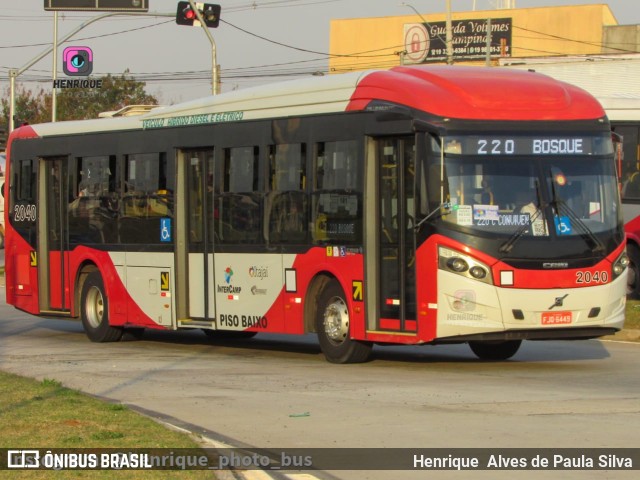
(210,14)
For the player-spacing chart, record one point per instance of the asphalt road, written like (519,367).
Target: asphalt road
(279,392)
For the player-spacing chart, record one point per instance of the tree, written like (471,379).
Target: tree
(32,107)
(115,93)
(77,103)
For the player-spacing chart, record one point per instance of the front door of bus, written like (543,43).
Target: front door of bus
(53,234)
(395,164)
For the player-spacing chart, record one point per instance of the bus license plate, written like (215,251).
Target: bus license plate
(556,318)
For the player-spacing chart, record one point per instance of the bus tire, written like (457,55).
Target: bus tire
(495,350)
(132,334)
(332,326)
(94,311)
(633,274)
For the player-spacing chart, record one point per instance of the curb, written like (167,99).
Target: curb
(625,335)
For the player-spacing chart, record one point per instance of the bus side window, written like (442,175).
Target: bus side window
(286,204)
(93,210)
(146,199)
(23,193)
(629,166)
(337,193)
(239,202)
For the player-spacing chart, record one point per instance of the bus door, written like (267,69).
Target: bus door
(194,237)
(53,235)
(392,238)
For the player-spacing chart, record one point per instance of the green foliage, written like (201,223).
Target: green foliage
(632,316)
(116,93)
(34,106)
(77,103)
(48,382)
(41,415)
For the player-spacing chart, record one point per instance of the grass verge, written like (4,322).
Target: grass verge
(632,315)
(47,415)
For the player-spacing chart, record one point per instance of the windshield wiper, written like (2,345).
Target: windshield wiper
(442,209)
(587,235)
(507,246)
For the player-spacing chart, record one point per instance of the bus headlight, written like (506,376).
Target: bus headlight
(620,265)
(457,262)
(478,272)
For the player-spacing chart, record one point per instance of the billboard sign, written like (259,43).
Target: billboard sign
(426,42)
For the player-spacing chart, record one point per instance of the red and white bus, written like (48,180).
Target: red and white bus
(624,115)
(418,205)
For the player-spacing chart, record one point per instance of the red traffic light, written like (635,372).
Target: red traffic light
(210,14)
(185,14)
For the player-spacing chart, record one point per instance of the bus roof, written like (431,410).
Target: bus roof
(456,92)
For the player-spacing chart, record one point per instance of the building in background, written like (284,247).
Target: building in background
(361,43)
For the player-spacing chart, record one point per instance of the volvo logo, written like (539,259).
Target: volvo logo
(559,302)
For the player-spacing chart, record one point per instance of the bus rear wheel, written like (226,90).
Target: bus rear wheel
(332,326)
(94,311)
(495,350)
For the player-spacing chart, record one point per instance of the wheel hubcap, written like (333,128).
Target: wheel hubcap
(336,320)
(94,307)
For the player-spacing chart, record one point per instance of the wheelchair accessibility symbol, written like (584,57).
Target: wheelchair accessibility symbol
(563,226)
(165,229)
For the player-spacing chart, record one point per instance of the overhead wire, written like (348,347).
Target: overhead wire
(384,59)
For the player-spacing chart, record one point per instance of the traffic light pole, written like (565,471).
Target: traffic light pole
(214,61)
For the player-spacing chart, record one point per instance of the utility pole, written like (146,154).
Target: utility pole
(449,35)
(488,44)
(54,73)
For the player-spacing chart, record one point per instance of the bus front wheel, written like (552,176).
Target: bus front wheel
(332,326)
(633,273)
(495,350)
(94,311)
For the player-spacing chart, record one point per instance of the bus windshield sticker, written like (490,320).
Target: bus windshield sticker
(464,214)
(485,212)
(563,226)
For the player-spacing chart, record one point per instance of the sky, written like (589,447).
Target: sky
(258,41)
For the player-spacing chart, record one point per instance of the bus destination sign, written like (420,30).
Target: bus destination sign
(98,5)
(528,145)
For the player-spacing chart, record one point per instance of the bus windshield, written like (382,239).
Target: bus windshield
(561,194)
